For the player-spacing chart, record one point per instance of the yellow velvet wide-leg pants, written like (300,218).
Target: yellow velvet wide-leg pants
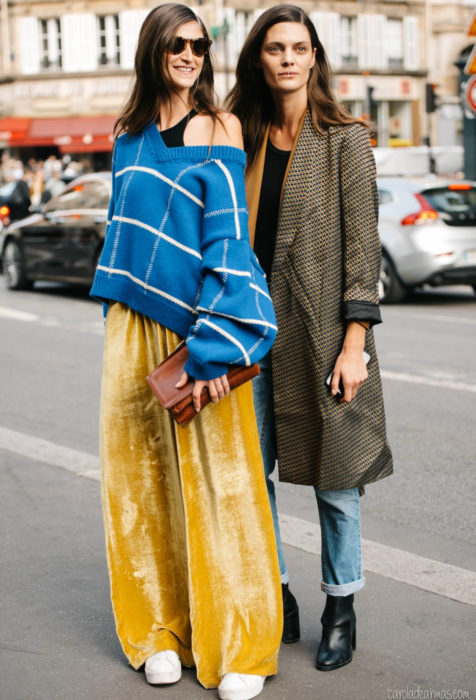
(189,534)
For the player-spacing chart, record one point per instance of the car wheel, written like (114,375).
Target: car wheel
(13,267)
(390,289)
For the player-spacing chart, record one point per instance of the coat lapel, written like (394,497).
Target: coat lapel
(254,177)
(294,194)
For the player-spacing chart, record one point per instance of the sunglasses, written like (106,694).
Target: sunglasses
(199,46)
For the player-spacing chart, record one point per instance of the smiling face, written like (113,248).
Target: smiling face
(183,69)
(286,57)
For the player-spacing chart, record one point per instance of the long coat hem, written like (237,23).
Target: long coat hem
(325,272)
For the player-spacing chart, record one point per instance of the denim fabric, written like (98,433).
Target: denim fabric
(341,548)
(339,510)
(263,401)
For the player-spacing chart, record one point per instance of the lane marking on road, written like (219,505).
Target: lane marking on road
(94,327)
(427,381)
(80,463)
(396,564)
(17,315)
(431,317)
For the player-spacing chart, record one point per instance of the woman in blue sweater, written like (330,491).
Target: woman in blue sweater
(189,534)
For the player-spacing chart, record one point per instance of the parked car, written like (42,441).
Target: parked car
(14,201)
(64,240)
(428,233)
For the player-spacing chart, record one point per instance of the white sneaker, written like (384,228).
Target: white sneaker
(240,686)
(164,667)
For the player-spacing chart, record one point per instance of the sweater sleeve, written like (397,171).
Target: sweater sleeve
(236,322)
(110,213)
(362,249)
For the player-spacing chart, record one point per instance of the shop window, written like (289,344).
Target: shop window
(108,40)
(50,43)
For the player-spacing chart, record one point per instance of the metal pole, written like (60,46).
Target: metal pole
(428,140)
(7,61)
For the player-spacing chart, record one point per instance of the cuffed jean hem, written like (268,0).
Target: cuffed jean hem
(343,589)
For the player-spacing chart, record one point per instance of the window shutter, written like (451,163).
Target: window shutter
(363,41)
(334,47)
(322,26)
(380,57)
(29,45)
(411,54)
(231,37)
(78,39)
(241,29)
(130,22)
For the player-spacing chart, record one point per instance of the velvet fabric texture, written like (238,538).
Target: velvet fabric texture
(189,534)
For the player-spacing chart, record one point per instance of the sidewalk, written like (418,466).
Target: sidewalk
(58,638)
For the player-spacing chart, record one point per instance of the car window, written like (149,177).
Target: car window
(96,195)
(384,196)
(459,205)
(91,194)
(71,198)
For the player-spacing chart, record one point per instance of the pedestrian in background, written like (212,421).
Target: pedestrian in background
(313,210)
(189,533)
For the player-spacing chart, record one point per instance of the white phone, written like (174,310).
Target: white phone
(340,389)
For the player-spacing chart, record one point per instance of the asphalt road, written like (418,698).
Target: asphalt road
(50,360)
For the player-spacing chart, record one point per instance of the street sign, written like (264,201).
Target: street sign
(470,94)
(471,31)
(470,67)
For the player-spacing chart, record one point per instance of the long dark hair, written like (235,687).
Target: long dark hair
(251,99)
(151,87)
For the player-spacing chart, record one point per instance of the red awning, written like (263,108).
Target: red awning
(14,130)
(69,134)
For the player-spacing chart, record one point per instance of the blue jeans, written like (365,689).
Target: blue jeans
(339,510)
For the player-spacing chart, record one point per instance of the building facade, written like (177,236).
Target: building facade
(66,67)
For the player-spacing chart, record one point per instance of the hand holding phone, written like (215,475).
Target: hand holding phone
(340,389)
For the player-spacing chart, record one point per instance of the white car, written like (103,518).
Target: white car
(428,233)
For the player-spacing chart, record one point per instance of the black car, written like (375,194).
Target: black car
(63,241)
(14,201)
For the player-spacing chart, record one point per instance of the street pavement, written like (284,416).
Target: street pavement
(416,614)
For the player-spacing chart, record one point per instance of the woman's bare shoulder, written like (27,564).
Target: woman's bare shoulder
(203,130)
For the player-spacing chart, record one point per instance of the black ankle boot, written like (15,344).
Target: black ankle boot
(338,633)
(291,631)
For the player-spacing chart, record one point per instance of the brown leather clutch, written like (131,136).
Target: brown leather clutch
(163,379)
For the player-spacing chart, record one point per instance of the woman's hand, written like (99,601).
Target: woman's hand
(217,388)
(350,366)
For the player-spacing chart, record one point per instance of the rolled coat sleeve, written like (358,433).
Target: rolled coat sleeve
(361,241)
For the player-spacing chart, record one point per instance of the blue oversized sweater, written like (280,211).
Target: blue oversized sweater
(177,250)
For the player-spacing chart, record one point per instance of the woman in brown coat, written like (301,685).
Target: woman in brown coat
(313,209)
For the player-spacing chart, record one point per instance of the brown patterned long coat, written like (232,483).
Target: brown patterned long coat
(325,272)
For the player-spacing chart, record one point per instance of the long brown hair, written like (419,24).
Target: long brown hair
(251,99)
(151,86)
